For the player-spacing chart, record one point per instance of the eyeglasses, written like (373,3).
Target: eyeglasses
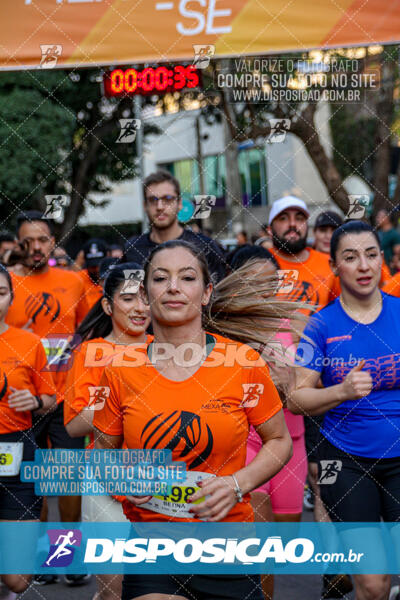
(166,200)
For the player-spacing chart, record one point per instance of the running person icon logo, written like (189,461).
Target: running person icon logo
(97,397)
(61,552)
(54,206)
(251,394)
(279,128)
(204,205)
(358,204)
(50,55)
(128,131)
(330,470)
(202,55)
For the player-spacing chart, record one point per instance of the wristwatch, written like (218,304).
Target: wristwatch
(40,404)
(237,490)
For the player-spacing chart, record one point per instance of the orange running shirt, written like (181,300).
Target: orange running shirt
(202,419)
(50,304)
(393,285)
(22,358)
(93,291)
(315,283)
(85,373)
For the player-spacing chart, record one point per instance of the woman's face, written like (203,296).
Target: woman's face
(175,287)
(358,263)
(130,314)
(5,296)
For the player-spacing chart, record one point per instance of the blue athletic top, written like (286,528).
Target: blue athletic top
(370,426)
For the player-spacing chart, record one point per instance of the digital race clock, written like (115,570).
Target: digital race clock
(148,81)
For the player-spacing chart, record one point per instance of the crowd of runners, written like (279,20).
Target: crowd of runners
(309,400)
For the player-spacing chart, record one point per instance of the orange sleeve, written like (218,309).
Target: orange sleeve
(109,419)
(82,308)
(78,380)
(335,289)
(269,402)
(393,286)
(385,275)
(42,379)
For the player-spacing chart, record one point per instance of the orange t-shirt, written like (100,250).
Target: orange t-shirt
(315,283)
(22,360)
(93,291)
(85,373)
(393,285)
(202,419)
(51,305)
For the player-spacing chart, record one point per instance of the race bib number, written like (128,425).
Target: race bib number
(176,504)
(58,353)
(10,458)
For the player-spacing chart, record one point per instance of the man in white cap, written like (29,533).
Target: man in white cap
(308,270)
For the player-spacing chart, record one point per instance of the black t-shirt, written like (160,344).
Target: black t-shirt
(138,248)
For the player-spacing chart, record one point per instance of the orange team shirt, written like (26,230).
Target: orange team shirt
(51,305)
(315,284)
(202,419)
(21,367)
(89,361)
(93,291)
(393,285)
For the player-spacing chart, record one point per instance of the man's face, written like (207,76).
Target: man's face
(162,204)
(322,236)
(289,231)
(395,263)
(382,218)
(40,243)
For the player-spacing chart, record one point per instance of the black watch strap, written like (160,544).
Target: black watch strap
(40,403)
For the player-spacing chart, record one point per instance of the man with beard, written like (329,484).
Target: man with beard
(162,203)
(49,302)
(307,271)
(307,277)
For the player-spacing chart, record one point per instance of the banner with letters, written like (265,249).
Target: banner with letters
(78,33)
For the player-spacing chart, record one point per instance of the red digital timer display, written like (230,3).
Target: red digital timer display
(148,81)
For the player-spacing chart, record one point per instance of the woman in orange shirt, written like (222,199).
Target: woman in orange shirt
(197,394)
(25,387)
(120,318)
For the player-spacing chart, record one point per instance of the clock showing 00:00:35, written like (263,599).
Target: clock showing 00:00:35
(144,82)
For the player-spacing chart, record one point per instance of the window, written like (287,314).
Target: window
(252,171)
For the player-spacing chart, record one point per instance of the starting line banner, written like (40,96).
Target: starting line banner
(199,548)
(67,33)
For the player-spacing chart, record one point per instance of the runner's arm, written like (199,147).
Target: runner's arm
(274,454)
(308,399)
(81,425)
(22,400)
(104,441)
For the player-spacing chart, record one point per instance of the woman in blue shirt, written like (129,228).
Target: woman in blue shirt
(353,346)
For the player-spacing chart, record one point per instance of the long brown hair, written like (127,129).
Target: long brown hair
(246,305)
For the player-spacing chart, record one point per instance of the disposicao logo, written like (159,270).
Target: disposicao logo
(62,547)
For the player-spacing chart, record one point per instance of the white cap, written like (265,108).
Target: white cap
(286,202)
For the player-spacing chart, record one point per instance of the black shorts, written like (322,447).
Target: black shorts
(51,427)
(354,488)
(18,501)
(194,587)
(312,436)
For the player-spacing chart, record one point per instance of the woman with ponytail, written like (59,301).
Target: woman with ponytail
(119,319)
(200,390)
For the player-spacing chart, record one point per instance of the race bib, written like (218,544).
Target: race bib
(10,458)
(176,503)
(58,353)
